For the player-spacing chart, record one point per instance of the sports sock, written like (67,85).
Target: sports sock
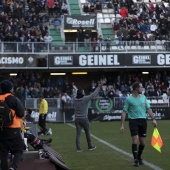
(140,150)
(134,151)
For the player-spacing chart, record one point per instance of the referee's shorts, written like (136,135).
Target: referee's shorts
(138,127)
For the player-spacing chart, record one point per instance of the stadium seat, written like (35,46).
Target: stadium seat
(154,102)
(107,20)
(110,86)
(149,101)
(112,16)
(101,20)
(104,10)
(104,87)
(106,16)
(99,15)
(160,102)
(113,48)
(110,11)
(146,47)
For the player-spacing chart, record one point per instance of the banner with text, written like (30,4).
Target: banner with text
(109,60)
(21,60)
(73,22)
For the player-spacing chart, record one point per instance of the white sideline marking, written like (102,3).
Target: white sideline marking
(120,150)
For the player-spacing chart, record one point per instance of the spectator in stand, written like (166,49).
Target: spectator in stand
(116,26)
(23,40)
(150,86)
(57,23)
(143,27)
(48,39)
(126,36)
(57,7)
(94,43)
(115,5)
(111,93)
(64,8)
(92,8)
(47,92)
(87,34)
(66,100)
(80,36)
(151,9)
(50,7)
(100,42)
(141,38)
(103,80)
(154,17)
(86,8)
(145,16)
(133,10)
(152,93)
(73,90)
(120,37)
(153,28)
(55,92)
(108,43)
(98,7)
(163,87)
(92,87)
(123,12)
(123,98)
(132,34)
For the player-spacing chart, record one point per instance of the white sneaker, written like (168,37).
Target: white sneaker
(50,132)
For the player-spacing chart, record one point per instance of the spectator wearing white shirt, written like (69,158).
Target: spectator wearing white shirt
(153,28)
(48,39)
(65,99)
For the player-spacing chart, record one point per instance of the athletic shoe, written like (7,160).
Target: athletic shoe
(136,162)
(79,150)
(141,162)
(49,132)
(92,148)
(11,168)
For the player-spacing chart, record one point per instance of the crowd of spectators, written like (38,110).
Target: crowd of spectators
(31,85)
(28,21)
(136,20)
(143,22)
(155,84)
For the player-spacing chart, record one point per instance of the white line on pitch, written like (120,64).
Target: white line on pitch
(120,150)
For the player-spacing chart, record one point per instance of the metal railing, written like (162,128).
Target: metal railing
(75,47)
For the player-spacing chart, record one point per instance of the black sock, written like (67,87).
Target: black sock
(140,150)
(134,150)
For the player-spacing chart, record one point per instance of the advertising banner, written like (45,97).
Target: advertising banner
(20,61)
(109,60)
(161,113)
(75,21)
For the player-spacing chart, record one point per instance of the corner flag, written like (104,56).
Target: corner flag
(156,140)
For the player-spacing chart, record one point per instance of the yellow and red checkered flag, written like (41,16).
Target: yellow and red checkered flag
(156,140)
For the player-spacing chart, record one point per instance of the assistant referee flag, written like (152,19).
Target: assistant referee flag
(156,140)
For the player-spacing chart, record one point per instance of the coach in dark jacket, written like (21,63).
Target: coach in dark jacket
(81,116)
(10,136)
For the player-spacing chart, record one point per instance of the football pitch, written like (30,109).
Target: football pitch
(113,150)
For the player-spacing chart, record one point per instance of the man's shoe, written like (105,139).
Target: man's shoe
(79,150)
(136,163)
(92,148)
(49,132)
(11,168)
(141,162)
